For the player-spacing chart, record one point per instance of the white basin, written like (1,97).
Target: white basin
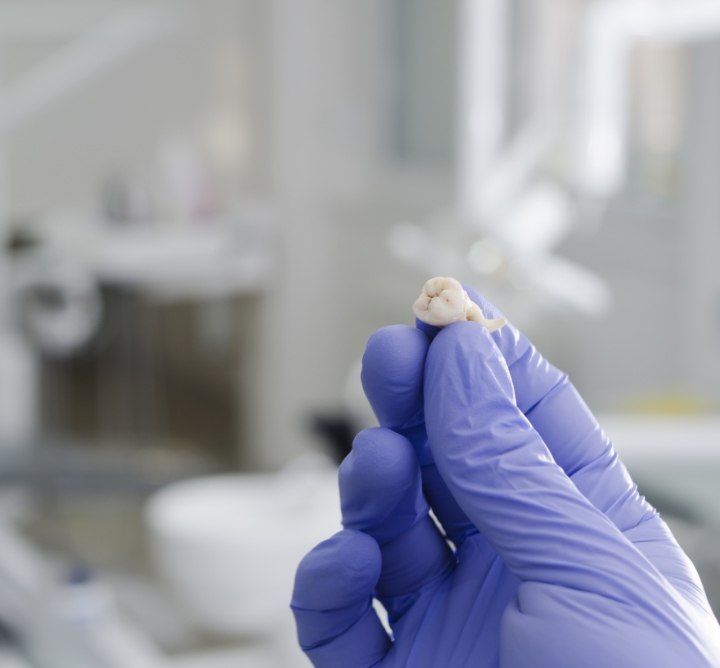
(228,545)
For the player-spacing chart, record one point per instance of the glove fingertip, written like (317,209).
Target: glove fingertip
(392,371)
(334,583)
(338,572)
(380,486)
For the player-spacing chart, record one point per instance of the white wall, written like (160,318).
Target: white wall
(309,86)
(172,90)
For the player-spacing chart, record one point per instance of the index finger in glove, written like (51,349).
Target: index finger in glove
(563,420)
(506,480)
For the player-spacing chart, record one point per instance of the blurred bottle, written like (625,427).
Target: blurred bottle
(124,201)
(81,627)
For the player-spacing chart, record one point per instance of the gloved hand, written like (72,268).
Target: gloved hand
(557,560)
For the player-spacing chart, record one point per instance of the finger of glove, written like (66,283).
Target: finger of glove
(558,413)
(381,495)
(655,540)
(331,601)
(392,377)
(506,480)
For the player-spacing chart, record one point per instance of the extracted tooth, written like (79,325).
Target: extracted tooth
(443,301)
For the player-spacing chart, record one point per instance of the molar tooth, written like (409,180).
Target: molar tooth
(443,301)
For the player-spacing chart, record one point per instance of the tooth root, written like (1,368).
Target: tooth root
(495,324)
(475,314)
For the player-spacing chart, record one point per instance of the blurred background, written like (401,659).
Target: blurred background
(207,207)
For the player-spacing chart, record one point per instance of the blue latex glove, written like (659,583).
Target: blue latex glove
(558,560)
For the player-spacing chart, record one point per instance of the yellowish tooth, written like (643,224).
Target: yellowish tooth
(443,301)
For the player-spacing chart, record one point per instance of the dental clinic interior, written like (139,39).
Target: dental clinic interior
(206,208)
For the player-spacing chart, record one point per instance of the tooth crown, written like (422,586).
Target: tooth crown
(443,301)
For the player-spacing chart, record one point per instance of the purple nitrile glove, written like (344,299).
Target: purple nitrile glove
(557,560)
